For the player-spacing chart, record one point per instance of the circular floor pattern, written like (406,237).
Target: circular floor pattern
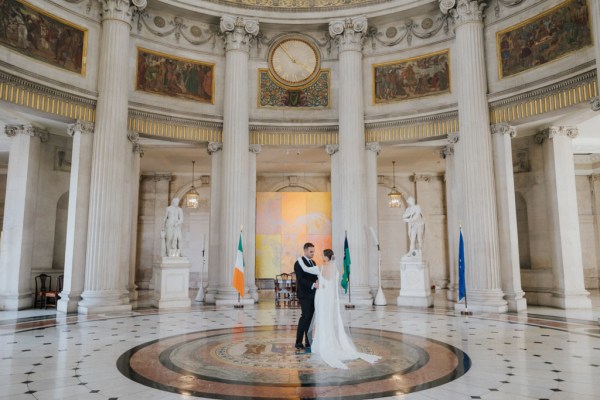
(261,363)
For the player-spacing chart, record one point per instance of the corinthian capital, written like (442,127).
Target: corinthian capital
(504,129)
(349,33)
(556,131)
(375,147)
(14,130)
(331,149)
(213,147)
(255,148)
(121,9)
(595,102)
(238,32)
(82,127)
(464,11)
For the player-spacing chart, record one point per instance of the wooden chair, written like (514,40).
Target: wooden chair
(43,284)
(54,294)
(283,288)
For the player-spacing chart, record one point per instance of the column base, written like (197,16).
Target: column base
(485,308)
(13,302)
(209,296)
(133,294)
(227,296)
(68,302)
(101,301)
(415,301)
(516,302)
(452,293)
(361,296)
(571,300)
(253,292)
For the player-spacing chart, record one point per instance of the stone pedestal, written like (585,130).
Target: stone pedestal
(171,283)
(415,288)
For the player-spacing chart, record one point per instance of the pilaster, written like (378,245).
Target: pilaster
(214,234)
(372,151)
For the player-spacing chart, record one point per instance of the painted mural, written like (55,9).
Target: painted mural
(412,78)
(544,38)
(45,37)
(173,76)
(284,222)
(271,95)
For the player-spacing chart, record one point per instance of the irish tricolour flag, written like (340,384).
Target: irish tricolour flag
(238,270)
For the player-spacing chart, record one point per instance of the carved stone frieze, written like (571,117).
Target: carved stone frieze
(238,32)
(213,147)
(349,33)
(554,131)
(375,147)
(504,129)
(505,3)
(396,34)
(82,127)
(121,9)
(14,130)
(464,11)
(194,33)
(331,149)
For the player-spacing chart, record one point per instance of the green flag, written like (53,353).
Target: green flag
(347,262)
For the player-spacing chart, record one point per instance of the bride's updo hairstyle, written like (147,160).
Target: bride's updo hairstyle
(329,254)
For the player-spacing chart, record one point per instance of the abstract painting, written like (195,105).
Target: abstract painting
(416,77)
(35,33)
(163,74)
(271,95)
(544,38)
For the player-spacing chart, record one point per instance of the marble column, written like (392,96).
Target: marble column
(474,162)
(78,213)
(595,22)
(134,187)
(214,233)
(238,34)
(19,215)
(595,185)
(102,289)
(510,267)
(373,150)
(250,248)
(565,241)
(337,227)
(349,34)
(447,153)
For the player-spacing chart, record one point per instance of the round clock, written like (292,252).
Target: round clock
(293,61)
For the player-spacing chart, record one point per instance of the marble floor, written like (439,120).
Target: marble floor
(226,353)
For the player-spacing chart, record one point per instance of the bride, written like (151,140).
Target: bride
(331,342)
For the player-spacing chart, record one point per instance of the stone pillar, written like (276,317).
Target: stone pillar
(337,226)
(214,234)
(102,290)
(238,33)
(134,187)
(250,246)
(349,34)
(595,22)
(162,183)
(510,267)
(565,241)
(447,153)
(19,214)
(595,185)
(373,150)
(78,214)
(474,162)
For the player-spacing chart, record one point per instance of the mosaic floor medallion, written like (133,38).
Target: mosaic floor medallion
(261,363)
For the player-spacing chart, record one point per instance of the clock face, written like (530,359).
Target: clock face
(293,62)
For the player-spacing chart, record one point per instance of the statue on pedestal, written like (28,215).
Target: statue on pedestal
(172,231)
(416,228)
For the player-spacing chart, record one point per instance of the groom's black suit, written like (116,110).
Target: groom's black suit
(306,297)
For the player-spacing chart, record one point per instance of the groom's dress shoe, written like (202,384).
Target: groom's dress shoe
(300,347)
(308,351)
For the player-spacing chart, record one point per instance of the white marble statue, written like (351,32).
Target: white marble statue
(416,227)
(173,221)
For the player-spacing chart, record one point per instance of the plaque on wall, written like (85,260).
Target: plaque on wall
(38,34)
(412,78)
(168,75)
(312,96)
(544,38)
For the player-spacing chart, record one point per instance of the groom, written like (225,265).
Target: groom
(307,283)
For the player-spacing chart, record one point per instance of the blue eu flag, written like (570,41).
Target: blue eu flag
(462,287)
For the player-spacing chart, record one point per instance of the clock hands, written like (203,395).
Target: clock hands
(294,60)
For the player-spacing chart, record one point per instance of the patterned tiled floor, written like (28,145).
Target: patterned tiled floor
(540,355)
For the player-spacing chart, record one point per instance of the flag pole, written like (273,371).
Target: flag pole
(239,304)
(466,311)
(348,306)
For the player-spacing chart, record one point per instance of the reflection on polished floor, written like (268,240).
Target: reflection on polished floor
(224,353)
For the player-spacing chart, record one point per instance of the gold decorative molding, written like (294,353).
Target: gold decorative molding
(293,136)
(413,129)
(152,125)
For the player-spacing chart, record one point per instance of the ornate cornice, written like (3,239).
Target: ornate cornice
(213,147)
(238,32)
(349,33)
(121,10)
(331,149)
(556,131)
(463,11)
(14,130)
(503,128)
(83,127)
(255,148)
(375,147)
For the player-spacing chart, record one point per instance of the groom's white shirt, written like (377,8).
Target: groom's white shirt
(309,270)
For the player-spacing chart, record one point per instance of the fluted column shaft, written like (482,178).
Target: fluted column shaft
(565,241)
(103,287)
(337,226)
(349,34)
(214,234)
(78,213)
(19,215)
(250,267)
(510,267)
(474,162)
(447,153)
(134,188)
(595,14)
(372,151)
(238,34)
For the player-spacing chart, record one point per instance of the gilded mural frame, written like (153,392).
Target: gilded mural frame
(183,59)
(528,21)
(65,22)
(435,53)
(322,70)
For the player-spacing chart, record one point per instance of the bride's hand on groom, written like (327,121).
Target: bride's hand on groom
(316,284)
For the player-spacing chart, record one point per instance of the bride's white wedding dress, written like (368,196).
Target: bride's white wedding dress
(331,342)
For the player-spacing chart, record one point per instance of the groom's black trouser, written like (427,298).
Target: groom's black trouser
(307,305)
